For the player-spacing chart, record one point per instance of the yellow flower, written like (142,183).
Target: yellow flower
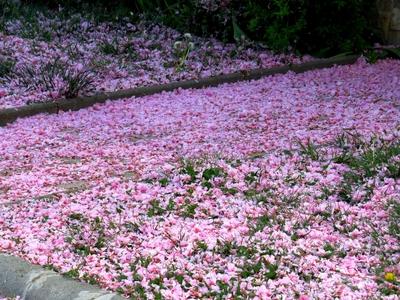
(389,276)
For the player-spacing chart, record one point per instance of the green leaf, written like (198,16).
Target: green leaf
(211,173)
(238,34)
(395,52)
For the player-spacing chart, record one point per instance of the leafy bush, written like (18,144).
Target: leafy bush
(318,27)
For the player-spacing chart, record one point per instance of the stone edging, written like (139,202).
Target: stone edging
(11,114)
(20,278)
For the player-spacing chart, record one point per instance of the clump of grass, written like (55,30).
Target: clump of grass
(109,48)
(394,219)
(268,270)
(188,169)
(54,76)
(189,209)
(182,49)
(309,149)
(155,209)
(116,47)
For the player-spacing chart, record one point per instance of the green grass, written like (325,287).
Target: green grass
(109,48)
(365,159)
(394,218)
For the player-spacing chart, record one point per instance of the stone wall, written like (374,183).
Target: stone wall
(389,20)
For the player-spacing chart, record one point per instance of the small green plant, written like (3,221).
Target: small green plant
(155,209)
(189,169)
(145,261)
(309,149)
(139,292)
(252,177)
(394,218)
(224,289)
(329,250)
(225,248)
(372,55)
(170,205)
(189,209)
(177,276)
(91,279)
(229,191)
(250,269)
(272,271)
(73,273)
(82,243)
(109,48)
(201,245)
(83,250)
(163,182)
(210,173)
(261,223)
(76,216)
(182,50)
(245,251)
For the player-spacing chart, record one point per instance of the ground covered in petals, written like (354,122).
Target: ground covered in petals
(285,187)
(56,57)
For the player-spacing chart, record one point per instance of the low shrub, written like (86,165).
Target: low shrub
(54,76)
(319,27)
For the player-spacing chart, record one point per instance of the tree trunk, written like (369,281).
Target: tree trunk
(389,20)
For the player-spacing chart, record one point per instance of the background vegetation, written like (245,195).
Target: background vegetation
(316,27)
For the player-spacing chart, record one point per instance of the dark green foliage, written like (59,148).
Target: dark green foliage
(163,182)
(6,67)
(189,170)
(261,223)
(109,48)
(374,54)
(322,28)
(372,157)
(329,251)
(269,270)
(73,273)
(189,210)
(394,218)
(155,209)
(210,173)
(309,150)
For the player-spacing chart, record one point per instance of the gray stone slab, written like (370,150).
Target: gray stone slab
(20,278)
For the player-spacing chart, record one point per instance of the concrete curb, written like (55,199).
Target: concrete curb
(11,114)
(20,278)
